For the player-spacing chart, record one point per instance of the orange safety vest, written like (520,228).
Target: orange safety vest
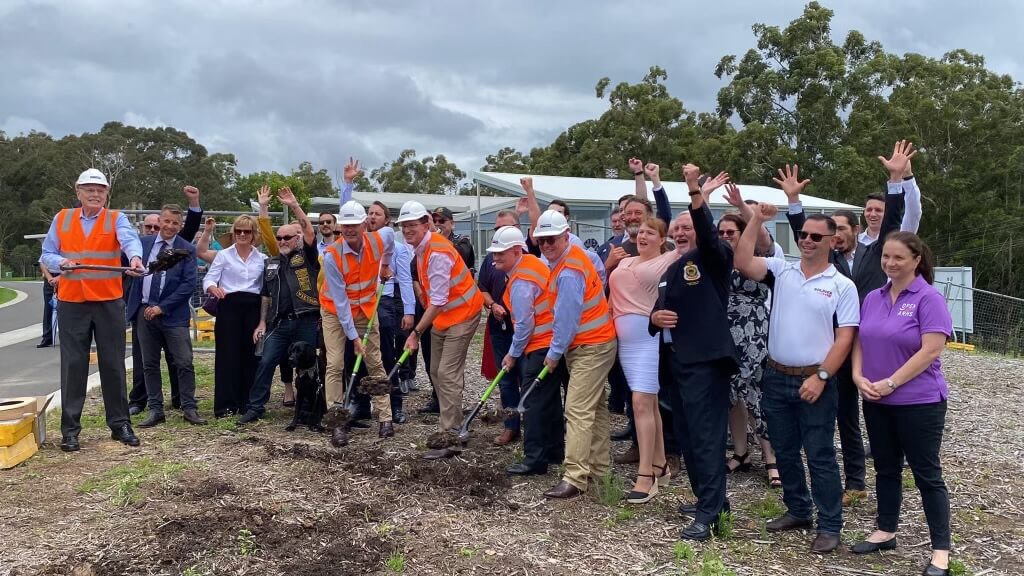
(596,326)
(464,299)
(101,247)
(360,273)
(532,269)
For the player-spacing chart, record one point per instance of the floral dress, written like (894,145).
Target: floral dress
(748,319)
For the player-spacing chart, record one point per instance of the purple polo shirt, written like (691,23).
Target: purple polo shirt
(891,333)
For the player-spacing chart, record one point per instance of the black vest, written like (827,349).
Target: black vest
(293,277)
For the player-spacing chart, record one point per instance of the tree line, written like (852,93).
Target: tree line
(798,96)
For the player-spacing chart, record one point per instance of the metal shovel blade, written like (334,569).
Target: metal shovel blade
(522,399)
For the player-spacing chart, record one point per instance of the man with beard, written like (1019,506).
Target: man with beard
(326,221)
(444,221)
(289,307)
(618,234)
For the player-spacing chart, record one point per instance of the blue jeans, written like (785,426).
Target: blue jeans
(793,424)
(275,349)
(509,384)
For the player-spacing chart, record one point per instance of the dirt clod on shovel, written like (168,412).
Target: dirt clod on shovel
(374,386)
(445,439)
(337,417)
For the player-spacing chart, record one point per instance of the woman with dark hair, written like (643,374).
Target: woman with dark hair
(748,318)
(903,328)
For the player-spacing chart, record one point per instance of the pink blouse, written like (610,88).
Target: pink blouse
(633,284)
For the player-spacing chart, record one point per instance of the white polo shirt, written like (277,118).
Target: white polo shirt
(801,332)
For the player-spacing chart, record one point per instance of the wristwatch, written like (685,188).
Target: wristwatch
(823,375)
(417,332)
(889,383)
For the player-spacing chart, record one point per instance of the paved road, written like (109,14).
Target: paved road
(24,369)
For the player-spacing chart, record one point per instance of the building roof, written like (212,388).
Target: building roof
(457,204)
(609,190)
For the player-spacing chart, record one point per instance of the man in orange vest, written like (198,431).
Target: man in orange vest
(353,266)
(584,334)
(91,305)
(528,302)
(452,303)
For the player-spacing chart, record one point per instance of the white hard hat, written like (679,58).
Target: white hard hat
(352,212)
(550,223)
(411,211)
(92,176)
(506,237)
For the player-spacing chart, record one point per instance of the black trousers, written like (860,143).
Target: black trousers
(234,369)
(914,431)
(389,314)
(154,336)
(848,420)
(618,392)
(138,395)
(701,417)
(81,323)
(48,312)
(425,351)
(544,421)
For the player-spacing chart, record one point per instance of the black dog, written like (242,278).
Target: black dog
(310,402)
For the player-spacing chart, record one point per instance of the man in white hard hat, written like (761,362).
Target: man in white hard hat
(452,303)
(92,304)
(584,335)
(528,302)
(352,269)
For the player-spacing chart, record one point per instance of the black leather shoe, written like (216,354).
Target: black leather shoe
(398,417)
(933,570)
(359,424)
(133,410)
(696,531)
(192,417)
(431,408)
(563,491)
(44,345)
(69,444)
(152,419)
(521,469)
(787,522)
(865,547)
(339,437)
(687,509)
(126,435)
(386,430)
(622,434)
(249,416)
(824,543)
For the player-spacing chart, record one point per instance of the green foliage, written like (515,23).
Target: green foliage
(23,258)
(247,545)
(396,562)
(767,508)
(6,294)
(610,490)
(958,568)
(724,529)
(712,565)
(124,482)
(682,552)
(407,174)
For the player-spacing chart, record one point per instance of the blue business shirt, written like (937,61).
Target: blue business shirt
(127,237)
(522,294)
(401,267)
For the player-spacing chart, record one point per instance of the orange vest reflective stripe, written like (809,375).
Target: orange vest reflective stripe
(531,269)
(101,247)
(464,299)
(596,326)
(360,274)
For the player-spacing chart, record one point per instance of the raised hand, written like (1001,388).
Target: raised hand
(897,164)
(527,183)
(636,165)
(522,205)
(733,196)
(263,196)
(352,170)
(192,193)
(766,212)
(790,182)
(691,173)
(286,197)
(711,184)
(652,170)
(209,226)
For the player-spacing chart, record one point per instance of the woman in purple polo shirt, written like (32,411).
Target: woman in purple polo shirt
(903,328)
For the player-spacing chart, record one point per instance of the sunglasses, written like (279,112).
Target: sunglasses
(285,238)
(327,223)
(728,233)
(545,240)
(815,237)
(243,231)
(151,226)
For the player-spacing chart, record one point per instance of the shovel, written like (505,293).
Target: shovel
(464,430)
(359,357)
(165,260)
(522,399)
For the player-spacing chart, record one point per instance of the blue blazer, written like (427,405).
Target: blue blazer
(179,283)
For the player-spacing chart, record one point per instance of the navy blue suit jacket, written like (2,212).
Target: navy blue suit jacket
(179,283)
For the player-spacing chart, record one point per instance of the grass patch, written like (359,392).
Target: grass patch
(610,490)
(623,514)
(6,294)
(396,562)
(712,565)
(124,482)
(958,568)
(468,552)
(726,522)
(767,508)
(908,480)
(682,552)
(247,545)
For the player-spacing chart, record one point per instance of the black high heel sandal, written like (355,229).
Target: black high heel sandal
(742,464)
(773,481)
(666,475)
(637,497)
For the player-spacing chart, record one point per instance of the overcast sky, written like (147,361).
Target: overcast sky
(279,82)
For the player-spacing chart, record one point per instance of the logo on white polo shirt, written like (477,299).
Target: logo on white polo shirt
(823,292)
(907,310)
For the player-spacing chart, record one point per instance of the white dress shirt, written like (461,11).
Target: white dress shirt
(233,274)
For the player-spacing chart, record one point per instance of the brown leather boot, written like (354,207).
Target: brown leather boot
(507,437)
(387,430)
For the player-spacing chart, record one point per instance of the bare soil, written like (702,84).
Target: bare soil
(260,500)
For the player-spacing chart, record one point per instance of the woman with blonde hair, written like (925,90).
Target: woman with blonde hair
(235,278)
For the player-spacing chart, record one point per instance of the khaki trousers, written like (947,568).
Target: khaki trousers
(448,350)
(334,341)
(587,423)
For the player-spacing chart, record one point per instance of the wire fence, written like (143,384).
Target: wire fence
(987,320)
